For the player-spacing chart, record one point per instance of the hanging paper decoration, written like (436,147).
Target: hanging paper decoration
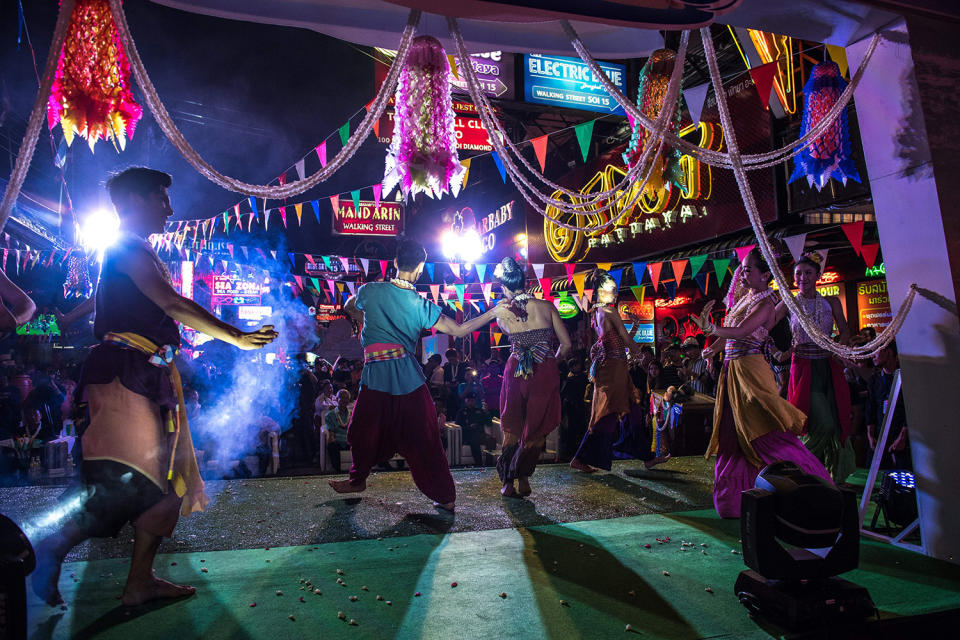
(77,284)
(423,155)
(652,91)
(829,155)
(91,94)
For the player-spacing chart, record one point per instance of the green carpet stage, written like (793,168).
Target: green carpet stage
(582,578)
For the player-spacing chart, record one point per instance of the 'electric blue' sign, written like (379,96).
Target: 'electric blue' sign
(568,82)
(644,333)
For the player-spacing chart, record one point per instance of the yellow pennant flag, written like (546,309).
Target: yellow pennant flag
(839,55)
(466,174)
(453,66)
(604,265)
(299,209)
(496,337)
(579,280)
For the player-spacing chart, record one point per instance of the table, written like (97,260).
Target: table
(682,429)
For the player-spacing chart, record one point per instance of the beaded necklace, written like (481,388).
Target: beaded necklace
(742,309)
(403,284)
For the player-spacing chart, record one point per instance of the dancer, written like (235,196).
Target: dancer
(752,425)
(530,392)
(817,385)
(395,412)
(138,460)
(21,308)
(617,419)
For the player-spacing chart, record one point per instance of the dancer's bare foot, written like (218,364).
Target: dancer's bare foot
(650,464)
(523,486)
(507,491)
(345,486)
(153,588)
(46,576)
(581,466)
(446,506)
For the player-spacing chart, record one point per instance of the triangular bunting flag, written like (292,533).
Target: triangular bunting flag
(355,196)
(763,79)
(475,335)
(617,274)
(679,266)
(299,166)
(326,261)
(383,268)
(654,269)
(299,209)
(316,284)
(500,167)
(795,245)
(335,203)
(671,288)
(430,272)
(459,289)
(604,266)
(639,268)
(545,285)
(701,280)
(344,132)
(266,218)
(481,271)
(377,192)
(466,173)
(346,264)
(253,206)
(638,293)
(578,281)
(496,337)
(316,209)
(321,150)
(366,266)
(435,291)
(743,251)
(538,269)
(333,289)
(854,233)
(869,253)
(570,267)
(839,55)
(720,266)
(696,263)
(540,150)
(487,288)
(584,132)
(455,268)
(695,98)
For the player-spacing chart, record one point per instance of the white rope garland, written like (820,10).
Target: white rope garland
(813,331)
(527,190)
(29,143)
(717,158)
(273,192)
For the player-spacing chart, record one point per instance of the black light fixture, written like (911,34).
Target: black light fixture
(17,560)
(799,532)
(896,499)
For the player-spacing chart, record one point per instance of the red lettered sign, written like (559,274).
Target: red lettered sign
(471,136)
(370,220)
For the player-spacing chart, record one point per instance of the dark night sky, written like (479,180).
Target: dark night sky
(251,98)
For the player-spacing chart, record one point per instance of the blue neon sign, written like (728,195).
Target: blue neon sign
(568,82)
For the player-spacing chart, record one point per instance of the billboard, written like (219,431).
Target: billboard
(873,304)
(369,220)
(494,70)
(231,290)
(568,82)
(471,136)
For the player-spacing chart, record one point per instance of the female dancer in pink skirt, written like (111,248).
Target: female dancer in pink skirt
(530,395)
(752,425)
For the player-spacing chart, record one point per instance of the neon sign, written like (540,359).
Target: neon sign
(678,301)
(567,307)
(876,271)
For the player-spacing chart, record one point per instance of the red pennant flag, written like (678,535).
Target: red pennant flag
(654,269)
(545,285)
(763,79)
(570,267)
(854,233)
(282,178)
(540,149)
(743,251)
(383,268)
(335,203)
(283,216)
(376,123)
(869,253)
(476,335)
(678,268)
(309,258)
(299,282)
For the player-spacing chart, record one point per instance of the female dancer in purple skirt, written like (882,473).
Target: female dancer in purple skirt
(753,426)
(530,395)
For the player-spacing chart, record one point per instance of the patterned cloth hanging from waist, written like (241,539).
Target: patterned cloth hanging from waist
(530,348)
(738,348)
(809,351)
(383,352)
(610,346)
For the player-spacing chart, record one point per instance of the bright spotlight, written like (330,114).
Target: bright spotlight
(449,242)
(99,230)
(471,247)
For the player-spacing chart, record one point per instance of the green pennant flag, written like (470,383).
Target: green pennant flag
(316,284)
(460,291)
(584,133)
(326,261)
(638,293)
(345,133)
(355,196)
(720,267)
(696,263)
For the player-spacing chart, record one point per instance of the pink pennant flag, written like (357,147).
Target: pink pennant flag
(335,203)
(346,264)
(743,251)
(487,288)
(545,285)
(435,292)
(283,216)
(333,289)
(570,267)
(377,192)
(309,258)
(321,150)
(383,268)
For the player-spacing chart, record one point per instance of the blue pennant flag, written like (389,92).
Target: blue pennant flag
(639,268)
(253,204)
(500,167)
(616,274)
(429,266)
(316,209)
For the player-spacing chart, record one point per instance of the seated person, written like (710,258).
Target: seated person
(335,427)
(473,422)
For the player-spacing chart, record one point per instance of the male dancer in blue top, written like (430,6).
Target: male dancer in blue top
(395,412)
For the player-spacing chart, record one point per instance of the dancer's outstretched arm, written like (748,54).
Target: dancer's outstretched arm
(449,326)
(563,336)
(141,267)
(21,308)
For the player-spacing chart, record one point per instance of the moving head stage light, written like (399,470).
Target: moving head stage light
(799,531)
